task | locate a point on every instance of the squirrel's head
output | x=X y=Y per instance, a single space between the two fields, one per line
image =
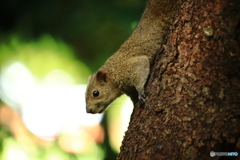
x=100 y=93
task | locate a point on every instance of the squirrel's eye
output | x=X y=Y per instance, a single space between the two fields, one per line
x=95 y=93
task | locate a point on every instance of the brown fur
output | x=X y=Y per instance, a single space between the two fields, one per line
x=127 y=70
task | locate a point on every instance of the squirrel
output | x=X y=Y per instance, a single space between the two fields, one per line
x=127 y=71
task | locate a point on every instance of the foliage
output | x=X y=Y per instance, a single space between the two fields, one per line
x=53 y=54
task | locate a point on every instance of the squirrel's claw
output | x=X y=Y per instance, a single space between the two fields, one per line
x=141 y=98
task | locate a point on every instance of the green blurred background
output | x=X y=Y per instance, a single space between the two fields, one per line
x=47 y=51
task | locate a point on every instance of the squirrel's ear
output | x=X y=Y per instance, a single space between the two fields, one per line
x=89 y=78
x=101 y=76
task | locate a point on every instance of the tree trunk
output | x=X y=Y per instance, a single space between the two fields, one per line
x=193 y=93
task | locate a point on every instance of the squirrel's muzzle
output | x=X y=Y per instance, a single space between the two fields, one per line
x=89 y=110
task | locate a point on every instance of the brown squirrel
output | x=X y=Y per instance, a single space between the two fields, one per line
x=127 y=71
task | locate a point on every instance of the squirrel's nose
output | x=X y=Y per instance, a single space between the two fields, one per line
x=89 y=110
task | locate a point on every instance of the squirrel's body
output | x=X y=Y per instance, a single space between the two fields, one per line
x=126 y=71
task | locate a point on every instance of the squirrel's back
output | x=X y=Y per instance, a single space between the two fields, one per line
x=149 y=34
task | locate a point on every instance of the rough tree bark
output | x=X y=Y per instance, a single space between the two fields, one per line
x=193 y=93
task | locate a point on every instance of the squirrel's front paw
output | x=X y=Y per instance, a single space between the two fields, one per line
x=141 y=98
